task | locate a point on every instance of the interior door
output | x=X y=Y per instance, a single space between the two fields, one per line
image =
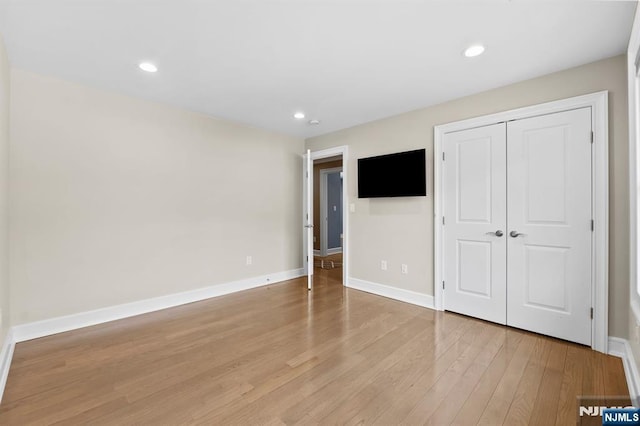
x=549 y=241
x=475 y=222
x=307 y=234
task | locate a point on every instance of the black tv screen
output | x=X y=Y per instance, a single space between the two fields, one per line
x=402 y=174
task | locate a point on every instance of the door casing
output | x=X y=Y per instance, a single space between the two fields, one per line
x=600 y=197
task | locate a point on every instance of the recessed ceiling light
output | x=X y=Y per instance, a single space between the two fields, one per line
x=314 y=122
x=148 y=67
x=298 y=115
x=475 y=50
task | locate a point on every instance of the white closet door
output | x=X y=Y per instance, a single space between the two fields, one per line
x=549 y=218
x=475 y=222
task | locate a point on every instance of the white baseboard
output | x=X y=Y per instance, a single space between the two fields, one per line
x=407 y=296
x=334 y=250
x=316 y=252
x=621 y=348
x=6 y=354
x=51 y=326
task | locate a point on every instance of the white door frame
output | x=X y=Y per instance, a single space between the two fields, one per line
x=324 y=234
x=598 y=102
x=344 y=152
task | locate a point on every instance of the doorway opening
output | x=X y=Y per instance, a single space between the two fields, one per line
x=328 y=233
x=324 y=216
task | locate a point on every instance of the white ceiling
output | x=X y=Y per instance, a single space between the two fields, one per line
x=344 y=62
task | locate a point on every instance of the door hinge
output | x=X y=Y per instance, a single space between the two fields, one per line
x=307 y=258
x=443 y=220
x=443 y=156
x=307 y=175
x=591 y=313
x=443 y=285
x=592 y=137
x=593 y=225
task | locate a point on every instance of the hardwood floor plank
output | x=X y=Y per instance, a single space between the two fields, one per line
x=451 y=404
x=434 y=396
x=571 y=386
x=282 y=355
x=404 y=363
x=322 y=402
x=526 y=393
x=546 y=406
x=473 y=407
x=499 y=403
x=593 y=377
x=438 y=358
x=615 y=383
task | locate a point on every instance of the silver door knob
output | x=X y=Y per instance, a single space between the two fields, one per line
x=498 y=233
x=515 y=234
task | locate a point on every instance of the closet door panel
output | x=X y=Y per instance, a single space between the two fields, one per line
x=475 y=227
x=549 y=222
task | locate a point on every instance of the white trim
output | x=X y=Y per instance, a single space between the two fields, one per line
x=635 y=310
x=600 y=197
x=51 y=326
x=438 y=257
x=6 y=355
x=621 y=348
x=324 y=195
x=316 y=252
x=634 y=138
x=395 y=293
x=344 y=152
x=335 y=250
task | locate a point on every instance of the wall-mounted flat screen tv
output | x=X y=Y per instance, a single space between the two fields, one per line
x=402 y=174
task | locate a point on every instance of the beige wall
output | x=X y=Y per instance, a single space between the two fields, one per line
x=116 y=199
x=316 y=197
x=4 y=191
x=401 y=230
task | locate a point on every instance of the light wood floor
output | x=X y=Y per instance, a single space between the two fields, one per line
x=281 y=355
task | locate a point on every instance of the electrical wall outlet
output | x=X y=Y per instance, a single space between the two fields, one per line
x=383 y=265
x=249 y=260
x=405 y=269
